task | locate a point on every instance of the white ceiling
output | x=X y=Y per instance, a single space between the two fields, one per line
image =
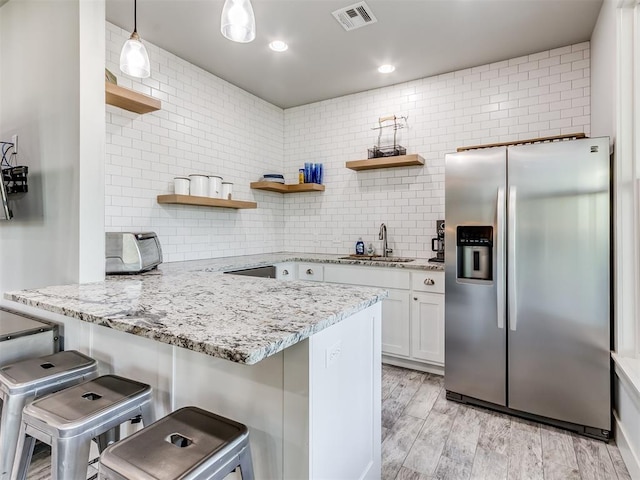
x=420 y=37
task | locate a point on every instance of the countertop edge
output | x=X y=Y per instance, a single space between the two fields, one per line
x=238 y=356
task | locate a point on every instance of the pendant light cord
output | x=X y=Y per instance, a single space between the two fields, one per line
x=135 y=16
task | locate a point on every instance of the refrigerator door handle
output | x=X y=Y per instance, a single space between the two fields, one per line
x=511 y=256
x=500 y=287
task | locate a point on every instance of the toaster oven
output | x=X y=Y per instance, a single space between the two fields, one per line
x=128 y=252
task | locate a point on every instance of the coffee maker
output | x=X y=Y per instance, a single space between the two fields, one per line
x=437 y=244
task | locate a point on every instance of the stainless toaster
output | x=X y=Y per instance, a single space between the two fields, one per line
x=128 y=252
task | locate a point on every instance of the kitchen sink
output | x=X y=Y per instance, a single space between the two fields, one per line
x=370 y=258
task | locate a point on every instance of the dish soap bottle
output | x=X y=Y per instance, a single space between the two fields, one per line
x=360 y=247
x=370 y=249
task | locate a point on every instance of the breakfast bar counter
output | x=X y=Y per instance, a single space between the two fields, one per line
x=297 y=362
x=242 y=319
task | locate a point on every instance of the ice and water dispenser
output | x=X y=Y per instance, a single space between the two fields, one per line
x=475 y=252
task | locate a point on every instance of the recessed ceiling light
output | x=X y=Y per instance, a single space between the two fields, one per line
x=278 y=46
x=386 y=68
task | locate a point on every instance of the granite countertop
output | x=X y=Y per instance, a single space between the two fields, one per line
x=191 y=305
x=248 y=261
x=242 y=319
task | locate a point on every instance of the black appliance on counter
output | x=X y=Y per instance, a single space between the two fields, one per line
x=437 y=244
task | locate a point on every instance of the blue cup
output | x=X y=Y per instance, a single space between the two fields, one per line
x=319 y=173
x=308 y=174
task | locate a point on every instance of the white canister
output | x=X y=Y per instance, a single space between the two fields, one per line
x=199 y=185
x=181 y=185
x=215 y=186
x=227 y=190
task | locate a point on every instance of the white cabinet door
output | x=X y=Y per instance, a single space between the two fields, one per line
x=285 y=271
x=395 y=323
x=427 y=327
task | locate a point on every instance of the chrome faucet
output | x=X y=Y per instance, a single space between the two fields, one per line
x=383 y=236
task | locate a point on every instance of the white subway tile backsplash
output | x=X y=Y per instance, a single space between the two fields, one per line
x=207 y=125
x=447 y=111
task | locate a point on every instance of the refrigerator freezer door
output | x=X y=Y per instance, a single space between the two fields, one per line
x=475 y=333
x=558 y=259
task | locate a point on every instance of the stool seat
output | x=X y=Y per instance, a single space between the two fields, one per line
x=42 y=375
x=69 y=419
x=23 y=381
x=187 y=444
x=86 y=406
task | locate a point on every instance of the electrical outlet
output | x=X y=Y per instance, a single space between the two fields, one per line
x=14 y=140
x=333 y=353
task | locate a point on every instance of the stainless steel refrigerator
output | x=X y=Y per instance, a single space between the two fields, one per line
x=527 y=304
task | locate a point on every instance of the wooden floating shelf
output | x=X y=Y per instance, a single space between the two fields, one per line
x=130 y=100
x=283 y=188
x=204 y=201
x=386 y=162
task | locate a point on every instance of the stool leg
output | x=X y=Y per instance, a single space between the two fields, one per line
x=24 y=452
x=148 y=414
x=246 y=465
x=69 y=458
x=9 y=431
x=107 y=438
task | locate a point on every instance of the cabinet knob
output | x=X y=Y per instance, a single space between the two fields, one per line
x=285 y=272
x=309 y=271
x=429 y=281
x=415 y=298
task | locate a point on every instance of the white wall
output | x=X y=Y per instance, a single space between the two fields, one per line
x=615 y=57
x=206 y=125
x=92 y=141
x=41 y=102
x=603 y=72
x=543 y=94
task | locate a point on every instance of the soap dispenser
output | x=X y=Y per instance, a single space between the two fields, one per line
x=360 y=247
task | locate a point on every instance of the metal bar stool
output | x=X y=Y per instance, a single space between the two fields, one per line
x=24 y=381
x=188 y=444
x=69 y=419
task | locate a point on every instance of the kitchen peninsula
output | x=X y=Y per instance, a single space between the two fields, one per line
x=298 y=362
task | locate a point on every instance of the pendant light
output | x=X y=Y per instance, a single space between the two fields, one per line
x=238 y=22
x=134 y=59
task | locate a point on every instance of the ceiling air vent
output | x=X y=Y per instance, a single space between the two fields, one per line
x=355 y=16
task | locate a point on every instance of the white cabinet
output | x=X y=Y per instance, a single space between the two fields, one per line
x=412 y=315
x=310 y=271
x=427 y=327
x=395 y=308
x=395 y=323
x=286 y=271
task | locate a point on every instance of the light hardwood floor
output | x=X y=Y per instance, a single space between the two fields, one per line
x=426 y=437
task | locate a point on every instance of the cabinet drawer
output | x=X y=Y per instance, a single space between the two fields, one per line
x=432 y=281
x=310 y=271
x=285 y=271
